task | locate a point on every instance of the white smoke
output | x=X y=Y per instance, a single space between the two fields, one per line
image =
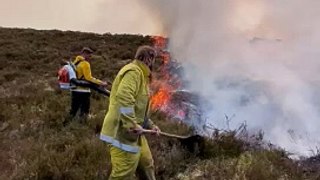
x=256 y=59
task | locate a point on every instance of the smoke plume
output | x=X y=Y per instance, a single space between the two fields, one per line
x=254 y=60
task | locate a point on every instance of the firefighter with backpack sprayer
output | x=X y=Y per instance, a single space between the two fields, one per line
x=80 y=96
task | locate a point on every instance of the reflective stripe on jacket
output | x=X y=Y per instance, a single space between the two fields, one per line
x=127 y=107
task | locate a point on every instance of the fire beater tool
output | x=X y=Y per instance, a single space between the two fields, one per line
x=194 y=143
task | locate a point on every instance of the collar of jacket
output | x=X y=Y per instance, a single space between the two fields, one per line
x=79 y=58
x=145 y=69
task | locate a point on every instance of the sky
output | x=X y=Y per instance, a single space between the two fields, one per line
x=100 y=16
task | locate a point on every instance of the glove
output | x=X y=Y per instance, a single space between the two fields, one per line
x=156 y=129
x=137 y=129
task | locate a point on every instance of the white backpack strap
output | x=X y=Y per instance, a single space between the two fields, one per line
x=72 y=72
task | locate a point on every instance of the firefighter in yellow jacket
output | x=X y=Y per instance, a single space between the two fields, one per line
x=127 y=116
x=80 y=96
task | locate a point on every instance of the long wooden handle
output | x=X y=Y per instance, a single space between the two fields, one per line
x=165 y=134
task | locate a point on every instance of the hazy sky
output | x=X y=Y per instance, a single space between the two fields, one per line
x=116 y=16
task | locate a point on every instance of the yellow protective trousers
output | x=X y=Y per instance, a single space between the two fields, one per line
x=124 y=164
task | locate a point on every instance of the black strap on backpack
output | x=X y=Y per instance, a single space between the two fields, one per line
x=76 y=64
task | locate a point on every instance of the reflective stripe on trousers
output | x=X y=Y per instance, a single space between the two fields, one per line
x=118 y=144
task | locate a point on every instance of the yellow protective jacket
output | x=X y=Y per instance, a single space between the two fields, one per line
x=129 y=100
x=83 y=72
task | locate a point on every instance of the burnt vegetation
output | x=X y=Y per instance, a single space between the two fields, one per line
x=35 y=145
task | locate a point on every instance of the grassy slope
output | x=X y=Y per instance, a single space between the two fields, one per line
x=35 y=145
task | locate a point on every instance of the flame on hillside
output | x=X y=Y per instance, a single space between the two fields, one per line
x=166 y=82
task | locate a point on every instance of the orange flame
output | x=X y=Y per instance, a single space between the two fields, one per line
x=162 y=96
x=159 y=42
x=165 y=83
x=160 y=99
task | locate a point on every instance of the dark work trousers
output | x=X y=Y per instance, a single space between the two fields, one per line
x=80 y=100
